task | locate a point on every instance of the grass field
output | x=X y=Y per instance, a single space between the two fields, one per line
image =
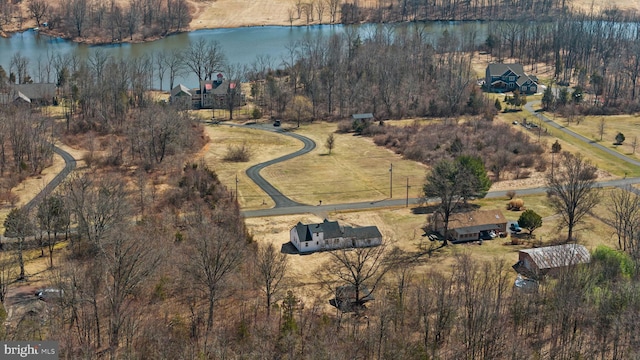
x=401 y=227
x=263 y=146
x=356 y=170
x=548 y=135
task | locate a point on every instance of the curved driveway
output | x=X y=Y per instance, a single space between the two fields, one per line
x=285 y=206
x=69 y=166
x=253 y=172
x=529 y=107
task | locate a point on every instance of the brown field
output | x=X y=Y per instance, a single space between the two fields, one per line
x=401 y=227
x=263 y=146
x=28 y=188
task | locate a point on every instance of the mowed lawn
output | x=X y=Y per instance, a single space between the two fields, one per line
x=589 y=127
x=263 y=146
x=547 y=135
x=356 y=170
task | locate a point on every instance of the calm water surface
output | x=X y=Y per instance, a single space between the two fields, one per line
x=240 y=45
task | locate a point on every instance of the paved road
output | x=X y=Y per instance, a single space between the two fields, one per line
x=282 y=207
x=69 y=166
x=300 y=209
x=253 y=172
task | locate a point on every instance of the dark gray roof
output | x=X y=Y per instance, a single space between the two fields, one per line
x=498 y=69
x=523 y=79
x=13 y=97
x=215 y=87
x=348 y=293
x=37 y=91
x=332 y=230
x=365 y=232
x=23 y=97
x=362 y=116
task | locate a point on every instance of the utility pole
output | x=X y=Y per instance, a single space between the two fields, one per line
x=407 y=205
x=391 y=181
x=236 y=187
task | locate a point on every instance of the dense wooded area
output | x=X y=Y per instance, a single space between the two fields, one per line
x=107 y=21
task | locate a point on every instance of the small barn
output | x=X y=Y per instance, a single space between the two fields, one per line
x=550 y=260
x=329 y=235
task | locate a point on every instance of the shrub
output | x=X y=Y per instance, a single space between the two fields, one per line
x=237 y=153
x=515 y=204
x=541 y=166
x=344 y=127
x=256 y=113
x=511 y=194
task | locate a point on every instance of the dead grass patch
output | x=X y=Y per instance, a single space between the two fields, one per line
x=402 y=228
x=268 y=146
x=356 y=170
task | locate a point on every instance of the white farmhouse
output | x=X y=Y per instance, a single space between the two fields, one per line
x=329 y=235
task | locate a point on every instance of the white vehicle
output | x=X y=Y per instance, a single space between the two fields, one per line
x=49 y=293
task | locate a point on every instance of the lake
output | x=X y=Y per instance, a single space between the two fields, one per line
x=240 y=45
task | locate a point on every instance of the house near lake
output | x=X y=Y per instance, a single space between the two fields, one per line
x=550 y=260
x=329 y=235
x=211 y=94
x=471 y=225
x=509 y=77
x=35 y=93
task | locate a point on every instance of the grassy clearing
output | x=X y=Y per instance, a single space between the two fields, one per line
x=402 y=228
x=263 y=146
x=548 y=135
x=589 y=127
x=28 y=188
x=356 y=170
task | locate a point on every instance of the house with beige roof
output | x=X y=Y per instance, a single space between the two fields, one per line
x=550 y=260
x=471 y=225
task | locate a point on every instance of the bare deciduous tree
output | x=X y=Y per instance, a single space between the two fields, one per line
x=18 y=225
x=361 y=268
x=128 y=260
x=53 y=218
x=625 y=214
x=271 y=266
x=212 y=255
x=330 y=143
x=572 y=191
x=203 y=58
x=38 y=9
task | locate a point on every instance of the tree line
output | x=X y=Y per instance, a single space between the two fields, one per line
x=105 y=21
x=415 y=10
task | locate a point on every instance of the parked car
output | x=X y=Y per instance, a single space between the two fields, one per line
x=49 y=294
x=515 y=227
x=276 y=123
x=487 y=235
